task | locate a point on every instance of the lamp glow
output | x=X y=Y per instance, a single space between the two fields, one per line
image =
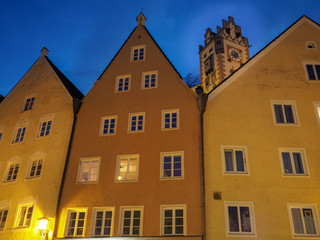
x=43 y=224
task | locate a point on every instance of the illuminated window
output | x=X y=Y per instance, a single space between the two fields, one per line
x=173 y=220
x=19 y=134
x=284 y=112
x=12 y=172
x=89 y=170
x=127 y=168
x=170 y=119
x=123 y=83
x=234 y=160
x=293 y=162
x=317 y=109
x=313 y=71
x=29 y=104
x=44 y=128
x=131 y=221
x=3 y=217
x=136 y=122
x=24 y=216
x=138 y=53
x=150 y=80
x=303 y=220
x=103 y=221
x=240 y=218
x=108 y=125
x=172 y=165
x=35 y=168
x=75 y=223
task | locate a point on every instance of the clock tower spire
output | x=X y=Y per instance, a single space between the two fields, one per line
x=223 y=53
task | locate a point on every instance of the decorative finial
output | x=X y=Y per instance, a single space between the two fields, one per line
x=44 y=52
x=141 y=19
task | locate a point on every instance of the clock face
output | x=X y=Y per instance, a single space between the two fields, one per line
x=235 y=54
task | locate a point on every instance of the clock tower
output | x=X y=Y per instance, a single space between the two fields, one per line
x=223 y=53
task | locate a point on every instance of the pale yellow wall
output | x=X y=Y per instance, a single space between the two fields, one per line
x=149 y=191
x=241 y=115
x=50 y=98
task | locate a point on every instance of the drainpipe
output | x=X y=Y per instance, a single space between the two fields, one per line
x=76 y=107
x=202 y=100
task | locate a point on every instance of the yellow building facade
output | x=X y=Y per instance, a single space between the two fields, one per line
x=261 y=141
x=36 y=120
x=134 y=169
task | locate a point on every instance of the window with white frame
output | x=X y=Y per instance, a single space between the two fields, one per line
x=29 y=104
x=234 y=160
x=123 y=83
x=108 y=125
x=19 y=134
x=240 y=218
x=317 y=109
x=35 y=168
x=313 y=71
x=311 y=45
x=284 y=112
x=303 y=220
x=138 y=53
x=103 y=222
x=12 y=172
x=136 y=122
x=89 y=170
x=75 y=223
x=24 y=215
x=44 y=128
x=127 y=168
x=3 y=217
x=172 y=165
x=131 y=221
x=170 y=119
x=173 y=220
x=293 y=162
x=150 y=80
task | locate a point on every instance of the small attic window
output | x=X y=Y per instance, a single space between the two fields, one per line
x=311 y=45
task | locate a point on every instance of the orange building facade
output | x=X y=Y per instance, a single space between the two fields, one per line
x=134 y=168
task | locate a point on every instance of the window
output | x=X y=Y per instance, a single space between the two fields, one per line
x=293 y=162
x=173 y=220
x=136 y=122
x=35 y=168
x=303 y=220
x=313 y=71
x=317 y=109
x=234 y=160
x=19 y=135
x=1 y=136
x=127 y=168
x=1 y=133
x=24 y=216
x=131 y=221
x=150 y=80
x=75 y=223
x=3 y=217
x=172 y=165
x=170 y=119
x=108 y=125
x=240 y=218
x=311 y=45
x=89 y=170
x=123 y=83
x=29 y=104
x=103 y=222
x=12 y=172
x=284 y=112
x=138 y=53
x=44 y=128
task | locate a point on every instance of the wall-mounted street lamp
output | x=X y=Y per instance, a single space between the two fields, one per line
x=43 y=224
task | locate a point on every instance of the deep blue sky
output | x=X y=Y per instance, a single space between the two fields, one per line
x=84 y=35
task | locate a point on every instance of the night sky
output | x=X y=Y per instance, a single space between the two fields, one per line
x=83 y=36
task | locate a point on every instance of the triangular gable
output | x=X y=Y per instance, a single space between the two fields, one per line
x=235 y=75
